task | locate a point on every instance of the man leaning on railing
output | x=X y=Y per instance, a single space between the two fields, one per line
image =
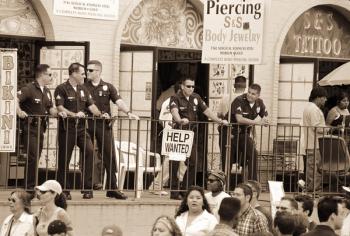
x=74 y=99
x=35 y=103
x=102 y=129
x=185 y=107
x=244 y=111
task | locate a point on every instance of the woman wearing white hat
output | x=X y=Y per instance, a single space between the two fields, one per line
x=54 y=207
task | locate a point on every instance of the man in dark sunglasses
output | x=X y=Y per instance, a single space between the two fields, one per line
x=185 y=108
x=101 y=129
x=34 y=104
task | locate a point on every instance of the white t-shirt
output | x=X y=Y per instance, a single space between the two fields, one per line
x=312 y=117
x=214 y=202
x=23 y=226
x=165 y=115
x=200 y=226
x=345 y=230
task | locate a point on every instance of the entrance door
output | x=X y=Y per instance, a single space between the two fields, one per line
x=136 y=73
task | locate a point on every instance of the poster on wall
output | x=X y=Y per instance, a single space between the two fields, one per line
x=233 y=31
x=8 y=91
x=95 y=9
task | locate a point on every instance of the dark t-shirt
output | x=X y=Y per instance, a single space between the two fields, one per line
x=188 y=108
x=102 y=94
x=33 y=100
x=242 y=106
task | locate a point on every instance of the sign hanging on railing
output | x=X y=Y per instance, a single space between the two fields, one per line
x=276 y=193
x=177 y=144
x=8 y=91
x=95 y=9
x=233 y=31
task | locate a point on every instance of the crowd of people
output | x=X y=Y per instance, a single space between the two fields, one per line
x=214 y=213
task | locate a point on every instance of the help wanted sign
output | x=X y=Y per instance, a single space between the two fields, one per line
x=177 y=144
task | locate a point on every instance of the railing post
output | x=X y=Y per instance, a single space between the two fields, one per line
x=138 y=174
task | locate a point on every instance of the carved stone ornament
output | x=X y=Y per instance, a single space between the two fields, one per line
x=165 y=23
x=17 y=17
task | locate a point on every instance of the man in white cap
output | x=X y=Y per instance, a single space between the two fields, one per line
x=216 y=182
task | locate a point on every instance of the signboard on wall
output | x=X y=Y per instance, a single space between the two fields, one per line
x=318 y=32
x=95 y=9
x=233 y=31
x=8 y=91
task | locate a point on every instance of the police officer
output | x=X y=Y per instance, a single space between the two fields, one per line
x=75 y=100
x=185 y=107
x=34 y=104
x=244 y=110
x=101 y=129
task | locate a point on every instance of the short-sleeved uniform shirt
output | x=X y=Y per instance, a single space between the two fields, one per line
x=71 y=99
x=188 y=108
x=102 y=94
x=33 y=100
x=242 y=106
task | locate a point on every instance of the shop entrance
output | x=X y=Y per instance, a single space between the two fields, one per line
x=173 y=65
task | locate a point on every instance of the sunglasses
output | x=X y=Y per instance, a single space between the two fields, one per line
x=90 y=70
x=189 y=86
x=212 y=180
x=11 y=200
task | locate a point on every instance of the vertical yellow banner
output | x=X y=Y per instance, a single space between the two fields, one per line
x=8 y=91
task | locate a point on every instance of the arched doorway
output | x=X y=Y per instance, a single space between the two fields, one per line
x=316 y=44
x=161 y=43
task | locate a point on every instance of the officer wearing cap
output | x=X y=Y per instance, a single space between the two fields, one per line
x=244 y=111
x=34 y=104
x=185 y=107
x=74 y=99
x=101 y=129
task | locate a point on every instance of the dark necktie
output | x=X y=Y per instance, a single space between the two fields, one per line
x=8 y=233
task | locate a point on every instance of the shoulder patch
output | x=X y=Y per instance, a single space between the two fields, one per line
x=173 y=103
x=195 y=101
x=19 y=92
x=58 y=97
x=239 y=108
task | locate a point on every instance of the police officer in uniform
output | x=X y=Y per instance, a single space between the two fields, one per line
x=244 y=110
x=34 y=104
x=101 y=129
x=185 y=107
x=75 y=100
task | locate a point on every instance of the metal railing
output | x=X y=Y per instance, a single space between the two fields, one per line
x=126 y=154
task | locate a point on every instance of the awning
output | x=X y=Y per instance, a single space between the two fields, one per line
x=339 y=76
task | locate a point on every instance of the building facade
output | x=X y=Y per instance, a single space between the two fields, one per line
x=155 y=42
